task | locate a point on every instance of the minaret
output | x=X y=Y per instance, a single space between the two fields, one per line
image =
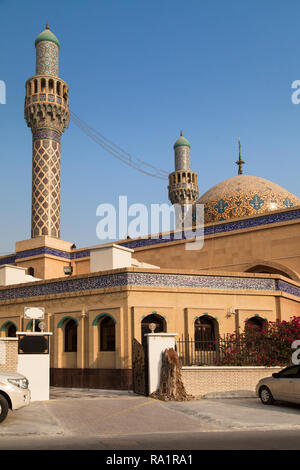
x=183 y=187
x=47 y=114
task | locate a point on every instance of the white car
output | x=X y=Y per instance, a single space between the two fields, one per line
x=14 y=392
x=283 y=386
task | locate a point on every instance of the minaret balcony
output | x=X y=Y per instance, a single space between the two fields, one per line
x=46 y=88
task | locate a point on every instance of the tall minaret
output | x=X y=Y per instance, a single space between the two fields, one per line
x=183 y=187
x=47 y=113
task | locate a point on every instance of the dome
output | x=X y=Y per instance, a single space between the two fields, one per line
x=245 y=196
x=47 y=35
x=182 y=142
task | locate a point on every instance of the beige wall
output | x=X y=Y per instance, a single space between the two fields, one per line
x=199 y=381
x=128 y=305
x=232 y=251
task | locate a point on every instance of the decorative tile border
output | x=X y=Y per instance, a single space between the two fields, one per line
x=221 y=228
x=8 y=260
x=288 y=288
x=45 y=251
x=147 y=280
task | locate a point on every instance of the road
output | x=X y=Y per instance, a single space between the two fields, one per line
x=110 y=421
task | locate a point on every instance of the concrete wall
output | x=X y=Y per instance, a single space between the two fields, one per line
x=104 y=258
x=199 y=381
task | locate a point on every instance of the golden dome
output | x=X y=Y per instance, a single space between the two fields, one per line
x=245 y=196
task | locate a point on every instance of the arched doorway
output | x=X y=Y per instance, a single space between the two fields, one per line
x=161 y=325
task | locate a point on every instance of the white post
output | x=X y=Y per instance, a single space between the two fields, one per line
x=157 y=344
x=36 y=368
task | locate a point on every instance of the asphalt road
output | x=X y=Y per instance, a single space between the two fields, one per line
x=234 y=440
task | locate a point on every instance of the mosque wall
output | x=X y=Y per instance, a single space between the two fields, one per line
x=128 y=305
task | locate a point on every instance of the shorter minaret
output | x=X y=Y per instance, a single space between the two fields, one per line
x=183 y=186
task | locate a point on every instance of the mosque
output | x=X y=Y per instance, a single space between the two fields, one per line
x=99 y=299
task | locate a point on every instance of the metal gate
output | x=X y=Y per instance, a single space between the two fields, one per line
x=139 y=368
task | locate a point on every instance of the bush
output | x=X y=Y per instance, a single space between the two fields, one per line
x=266 y=346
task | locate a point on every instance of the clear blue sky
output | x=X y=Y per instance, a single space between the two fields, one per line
x=139 y=71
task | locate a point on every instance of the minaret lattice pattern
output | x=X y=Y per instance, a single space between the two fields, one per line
x=47 y=114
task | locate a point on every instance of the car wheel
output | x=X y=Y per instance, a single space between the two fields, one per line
x=266 y=396
x=3 y=408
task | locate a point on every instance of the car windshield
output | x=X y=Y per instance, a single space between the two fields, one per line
x=293 y=371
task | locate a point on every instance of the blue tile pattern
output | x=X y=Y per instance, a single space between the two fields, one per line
x=148 y=280
x=8 y=260
x=288 y=288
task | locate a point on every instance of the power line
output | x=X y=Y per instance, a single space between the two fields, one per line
x=118 y=152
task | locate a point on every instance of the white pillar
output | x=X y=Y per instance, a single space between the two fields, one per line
x=36 y=368
x=157 y=344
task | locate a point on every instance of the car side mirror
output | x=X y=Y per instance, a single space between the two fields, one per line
x=275 y=375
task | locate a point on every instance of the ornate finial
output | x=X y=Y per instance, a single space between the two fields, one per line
x=240 y=162
x=47 y=25
x=181 y=133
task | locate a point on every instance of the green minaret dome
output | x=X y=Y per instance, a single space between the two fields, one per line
x=182 y=142
x=47 y=35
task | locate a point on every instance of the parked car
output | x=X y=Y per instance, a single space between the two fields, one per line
x=283 y=386
x=14 y=392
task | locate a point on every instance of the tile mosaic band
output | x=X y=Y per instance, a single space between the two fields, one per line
x=150 y=280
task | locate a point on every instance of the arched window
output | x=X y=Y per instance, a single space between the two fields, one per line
x=58 y=88
x=31 y=271
x=107 y=332
x=43 y=85
x=255 y=322
x=70 y=336
x=11 y=330
x=205 y=333
x=263 y=269
x=51 y=86
x=35 y=86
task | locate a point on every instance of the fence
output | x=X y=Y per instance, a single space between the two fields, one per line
x=227 y=350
